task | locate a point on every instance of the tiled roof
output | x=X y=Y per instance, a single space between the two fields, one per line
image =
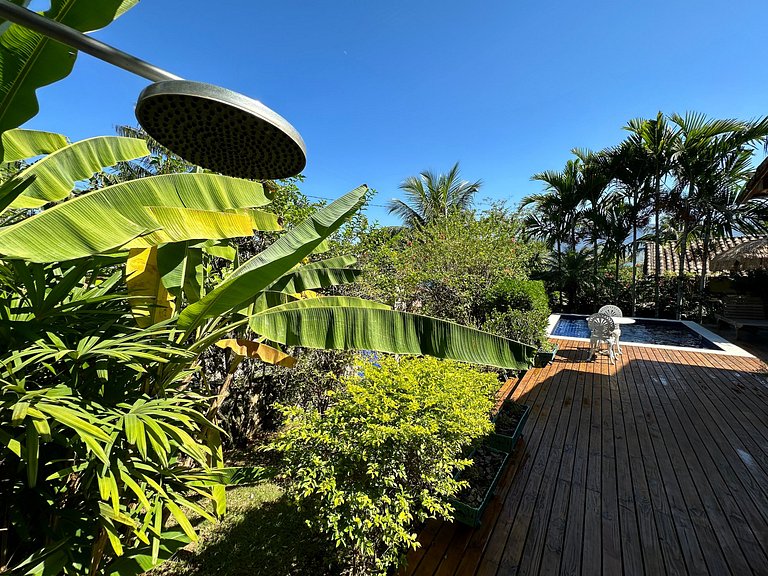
x=694 y=256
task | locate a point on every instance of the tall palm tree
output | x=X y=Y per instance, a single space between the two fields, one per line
x=595 y=175
x=563 y=186
x=633 y=171
x=431 y=197
x=658 y=139
x=555 y=213
x=709 y=159
x=618 y=217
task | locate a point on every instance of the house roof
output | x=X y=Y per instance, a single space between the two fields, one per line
x=694 y=254
x=758 y=184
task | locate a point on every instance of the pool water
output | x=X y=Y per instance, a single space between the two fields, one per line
x=663 y=333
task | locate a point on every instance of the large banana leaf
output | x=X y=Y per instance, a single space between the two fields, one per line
x=106 y=219
x=29 y=60
x=323 y=274
x=57 y=173
x=21 y=144
x=265 y=221
x=264 y=268
x=346 y=326
x=176 y=224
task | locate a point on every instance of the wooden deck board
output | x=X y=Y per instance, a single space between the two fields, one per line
x=657 y=465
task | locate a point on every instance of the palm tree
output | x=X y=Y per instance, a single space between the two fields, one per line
x=633 y=171
x=595 y=174
x=431 y=197
x=555 y=214
x=618 y=218
x=658 y=139
x=563 y=187
x=710 y=158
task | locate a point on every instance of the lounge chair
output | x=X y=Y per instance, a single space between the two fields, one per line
x=743 y=311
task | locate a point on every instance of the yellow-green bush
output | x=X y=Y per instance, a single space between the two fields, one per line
x=383 y=455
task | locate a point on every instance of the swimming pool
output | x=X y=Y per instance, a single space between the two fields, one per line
x=643 y=331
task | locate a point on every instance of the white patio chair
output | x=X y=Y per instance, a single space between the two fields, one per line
x=602 y=328
x=614 y=312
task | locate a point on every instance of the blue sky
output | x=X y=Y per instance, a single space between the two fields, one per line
x=380 y=91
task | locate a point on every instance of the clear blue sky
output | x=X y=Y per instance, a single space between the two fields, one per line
x=382 y=90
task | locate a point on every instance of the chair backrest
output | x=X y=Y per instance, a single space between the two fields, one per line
x=601 y=326
x=611 y=310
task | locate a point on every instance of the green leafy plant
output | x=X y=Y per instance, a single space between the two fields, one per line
x=517 y=309
x=383 y=455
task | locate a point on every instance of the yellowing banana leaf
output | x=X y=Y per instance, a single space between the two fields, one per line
x=177 y=224
x=29 y=60
x=265 y=221
x=251 y=349
x=105 y=219
x=353 y=327
x=263 y=269
x=57 y=173
x=21 y=144
x=150 y=301
x=181 y=267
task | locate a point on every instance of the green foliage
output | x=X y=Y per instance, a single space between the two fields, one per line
x=382 y=456
x=517 y=309
x=97 y=448
x=29 y=60
x=446 y=268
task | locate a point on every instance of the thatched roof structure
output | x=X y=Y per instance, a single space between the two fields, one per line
x=758 y=184
x=694 y=255
x=750 y=255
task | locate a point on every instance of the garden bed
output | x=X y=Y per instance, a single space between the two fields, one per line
x=509 y=423
x=544 y=357
x=482 y=475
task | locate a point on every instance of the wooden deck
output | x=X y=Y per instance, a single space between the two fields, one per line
x=658 y=465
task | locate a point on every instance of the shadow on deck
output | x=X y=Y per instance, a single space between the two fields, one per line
x=657 y=465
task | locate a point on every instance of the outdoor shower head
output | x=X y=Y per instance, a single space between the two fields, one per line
x=220 y=130
x=212 y=127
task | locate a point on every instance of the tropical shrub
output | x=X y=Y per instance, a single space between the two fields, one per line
x=446 y=268
x=517 y=309
x=383 y=455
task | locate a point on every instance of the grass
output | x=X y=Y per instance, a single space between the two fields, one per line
x=262 y=534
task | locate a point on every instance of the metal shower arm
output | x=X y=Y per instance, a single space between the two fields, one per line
x=80 y=41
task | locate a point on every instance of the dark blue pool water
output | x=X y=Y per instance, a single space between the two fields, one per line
x=663 y=333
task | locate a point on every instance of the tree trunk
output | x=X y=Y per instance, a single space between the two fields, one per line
x=634 y=254
x=704 y=265
x=681 y=272
x=618 y=282
x=560 y=272
x=657 y=234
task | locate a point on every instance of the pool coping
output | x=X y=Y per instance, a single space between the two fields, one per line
x=726 y=348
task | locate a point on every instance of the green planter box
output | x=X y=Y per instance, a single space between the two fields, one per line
x=543 y=358
x=506 y=443
x=470 y=515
